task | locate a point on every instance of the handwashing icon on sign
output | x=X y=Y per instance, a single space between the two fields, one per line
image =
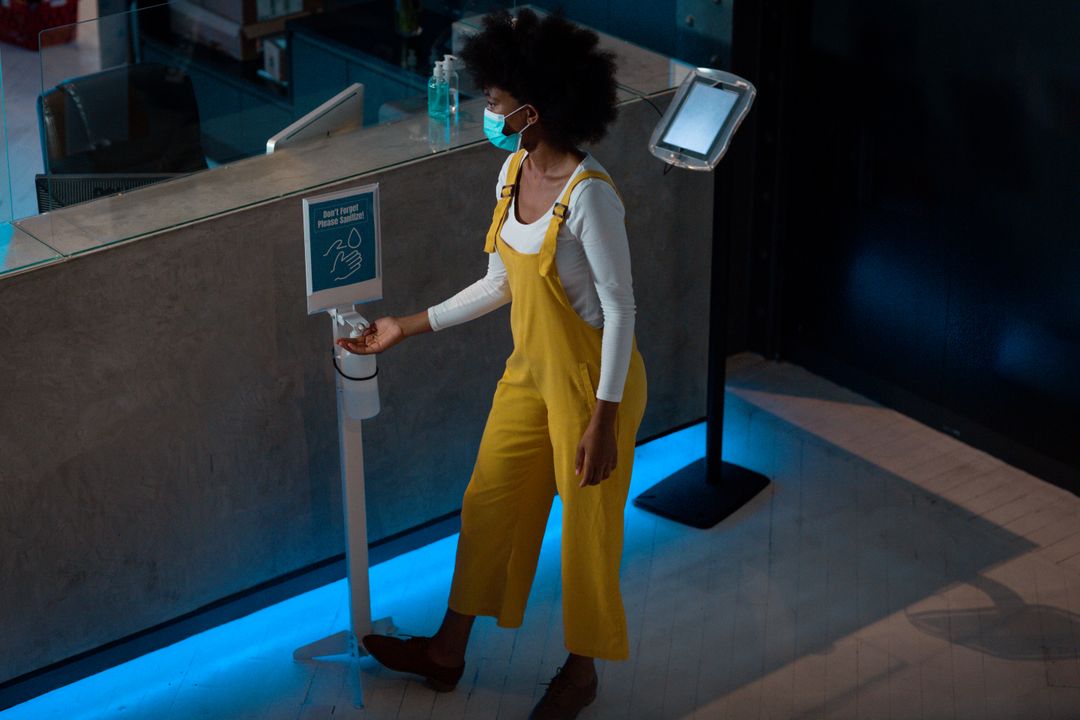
x=348 y=254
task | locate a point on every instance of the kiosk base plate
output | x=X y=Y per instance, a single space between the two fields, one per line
x=691 y=498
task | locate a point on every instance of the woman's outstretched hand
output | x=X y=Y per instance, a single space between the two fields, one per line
x=379 y=336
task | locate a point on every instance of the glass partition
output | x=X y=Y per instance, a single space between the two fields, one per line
x=6 y=210
x=165 y=115
x=18 y=250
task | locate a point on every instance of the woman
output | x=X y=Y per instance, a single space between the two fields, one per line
x=567 y=408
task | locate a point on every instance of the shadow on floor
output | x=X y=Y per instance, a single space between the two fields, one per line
x=834 y=545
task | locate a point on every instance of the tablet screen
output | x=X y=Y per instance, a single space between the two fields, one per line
x=700 y=119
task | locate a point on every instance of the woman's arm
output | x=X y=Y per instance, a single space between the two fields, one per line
x=598 y=222
x=385 y=333
x=601 y=229
x=485 y=295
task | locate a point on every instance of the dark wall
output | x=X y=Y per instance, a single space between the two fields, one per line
x=650 y=23
x=697 y=31
x=930 y=244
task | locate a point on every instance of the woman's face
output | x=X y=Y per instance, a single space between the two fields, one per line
x=501 y=102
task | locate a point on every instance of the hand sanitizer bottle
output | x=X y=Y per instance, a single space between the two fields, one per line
x=453 y=85
x=358 y=385
x=437 y=92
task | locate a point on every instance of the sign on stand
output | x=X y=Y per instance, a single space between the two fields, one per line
x=342 y=248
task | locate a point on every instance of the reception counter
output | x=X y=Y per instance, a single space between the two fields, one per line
x=168 y=424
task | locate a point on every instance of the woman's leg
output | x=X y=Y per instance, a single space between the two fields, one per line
x=503 y=516
x=504 y=511
x=447 y=647
x=580 y=669
x=594 y=619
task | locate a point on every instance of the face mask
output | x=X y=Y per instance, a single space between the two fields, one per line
x=494 y=124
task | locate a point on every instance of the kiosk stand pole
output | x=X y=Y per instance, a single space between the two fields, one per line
x=708 y=490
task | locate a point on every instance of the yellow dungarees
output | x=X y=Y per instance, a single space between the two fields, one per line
x=542 y=405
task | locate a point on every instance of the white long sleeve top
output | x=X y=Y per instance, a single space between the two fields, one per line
x=592 y=256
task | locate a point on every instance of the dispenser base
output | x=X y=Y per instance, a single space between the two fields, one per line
x=343 y=647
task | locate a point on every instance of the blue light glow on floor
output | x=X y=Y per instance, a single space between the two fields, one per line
x=243 y=668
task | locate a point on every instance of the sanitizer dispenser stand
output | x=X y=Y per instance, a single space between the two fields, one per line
x=342 y=253
x=357 y=400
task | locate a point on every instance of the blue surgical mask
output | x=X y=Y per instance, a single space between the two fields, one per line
x=495 y=124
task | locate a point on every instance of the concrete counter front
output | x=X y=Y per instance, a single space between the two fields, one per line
x=168 y=423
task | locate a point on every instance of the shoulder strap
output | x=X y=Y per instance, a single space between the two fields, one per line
x=503 y=204
x=559 y=215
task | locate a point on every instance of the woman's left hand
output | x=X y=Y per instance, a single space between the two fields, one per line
x=598 y=453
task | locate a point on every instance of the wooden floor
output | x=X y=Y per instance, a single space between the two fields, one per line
x=888 y=571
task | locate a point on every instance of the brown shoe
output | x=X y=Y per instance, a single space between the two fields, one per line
x=563 y=700
x=410 y=655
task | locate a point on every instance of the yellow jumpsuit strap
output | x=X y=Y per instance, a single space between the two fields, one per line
x=559 y=214
x=505 y=195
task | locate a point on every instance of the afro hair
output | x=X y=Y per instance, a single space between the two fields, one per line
x=551 y=64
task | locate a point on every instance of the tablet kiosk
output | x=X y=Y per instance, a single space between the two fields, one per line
x=698 y=125
x=694 y=133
